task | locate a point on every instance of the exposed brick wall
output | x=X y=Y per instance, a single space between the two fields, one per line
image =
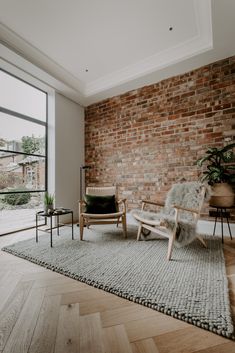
x=147 y=139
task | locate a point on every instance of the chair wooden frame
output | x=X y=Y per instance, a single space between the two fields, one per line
x=87 y=219
x=158 y=226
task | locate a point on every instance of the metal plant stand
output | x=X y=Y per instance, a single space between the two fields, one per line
x=222 y=213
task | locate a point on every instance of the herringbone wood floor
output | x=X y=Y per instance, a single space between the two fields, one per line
x=44 y=312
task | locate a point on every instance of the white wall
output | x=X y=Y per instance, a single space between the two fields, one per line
x=69 y=151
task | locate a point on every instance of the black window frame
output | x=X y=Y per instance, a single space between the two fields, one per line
x=45 y=156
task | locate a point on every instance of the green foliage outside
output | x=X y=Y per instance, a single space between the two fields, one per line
x=17 y=199
x=30 y=144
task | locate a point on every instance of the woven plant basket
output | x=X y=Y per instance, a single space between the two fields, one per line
x=222 y=195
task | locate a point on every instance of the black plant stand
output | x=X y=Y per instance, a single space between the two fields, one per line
x=56 y=214
x=222 y=213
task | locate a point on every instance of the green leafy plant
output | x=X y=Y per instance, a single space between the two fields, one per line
x=218 y=170
x=30 y=144
x=48 y=199
x=17 y=198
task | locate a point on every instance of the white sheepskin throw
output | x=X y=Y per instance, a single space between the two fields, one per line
x=187 y=195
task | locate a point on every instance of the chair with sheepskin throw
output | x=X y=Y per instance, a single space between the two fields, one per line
x=101 y=206
x=178 y=219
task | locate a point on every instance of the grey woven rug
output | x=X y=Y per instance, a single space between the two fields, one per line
x=192 y=287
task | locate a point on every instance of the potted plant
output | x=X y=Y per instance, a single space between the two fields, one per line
x=48 y=202
x=219 y=175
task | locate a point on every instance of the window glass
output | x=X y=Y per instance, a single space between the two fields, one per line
x=23 y=134
x=20 y=135
x=20 y=97
x=18 y=211
x=21 y=173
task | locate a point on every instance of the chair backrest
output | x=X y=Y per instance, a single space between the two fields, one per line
x=189 y=195
x=101 y=191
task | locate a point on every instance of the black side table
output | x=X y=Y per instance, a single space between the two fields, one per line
x=57 y=214
x=222 y=212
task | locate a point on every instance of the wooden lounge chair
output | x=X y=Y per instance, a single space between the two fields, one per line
x=87 y=219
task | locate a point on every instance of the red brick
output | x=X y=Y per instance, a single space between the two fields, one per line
x=146 y=139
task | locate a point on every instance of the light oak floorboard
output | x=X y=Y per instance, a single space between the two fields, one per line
x=189 y=339
x=126 y=314
x=152 y=326
x=116 y=340
x=20 y=338
x=84 y=294
x=7 y=286
x=42 y=276
x=221 y=348
x=12 y=309
x=91 y=334
x=50 y=282
x=61 y=288
x=102 y=304
x=45 y=332
x=67 y=339
x=144 y=346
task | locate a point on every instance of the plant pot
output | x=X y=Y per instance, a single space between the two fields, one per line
x=48 y=208
x=222 y=195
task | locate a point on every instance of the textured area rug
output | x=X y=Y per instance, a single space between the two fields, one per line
x=192 y=287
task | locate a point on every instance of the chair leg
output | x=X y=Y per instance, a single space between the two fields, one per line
x=139 y=231
x=81 y=226
x=170 y=247
x=124 y=226
x=200 y=238
x=118 y=221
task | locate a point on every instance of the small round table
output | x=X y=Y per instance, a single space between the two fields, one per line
x=222 y=212
x=57 y=214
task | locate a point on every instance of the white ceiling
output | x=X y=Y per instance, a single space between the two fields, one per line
x=123 y=44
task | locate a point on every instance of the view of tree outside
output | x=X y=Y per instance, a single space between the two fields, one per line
x=22 y=151
x=30 y=144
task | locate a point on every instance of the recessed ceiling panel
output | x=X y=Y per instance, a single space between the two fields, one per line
x=106 y=42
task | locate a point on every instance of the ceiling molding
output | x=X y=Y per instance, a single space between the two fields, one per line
x=156 y=62
x=27 y=51
x=19 y=66
x=196 y=45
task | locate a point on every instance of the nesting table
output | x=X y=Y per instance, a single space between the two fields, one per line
x=49 y=216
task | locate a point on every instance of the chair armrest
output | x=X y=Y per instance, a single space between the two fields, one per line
x=122 y=201
x=185 y=209
x=155 y=203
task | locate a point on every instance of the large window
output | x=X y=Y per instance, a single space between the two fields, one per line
x=23 y=152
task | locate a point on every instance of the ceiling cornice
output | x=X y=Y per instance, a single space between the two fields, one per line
x=82 y=92
x=23 y=49
x=196 y=45
x=156 y=62
x=19 y=66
